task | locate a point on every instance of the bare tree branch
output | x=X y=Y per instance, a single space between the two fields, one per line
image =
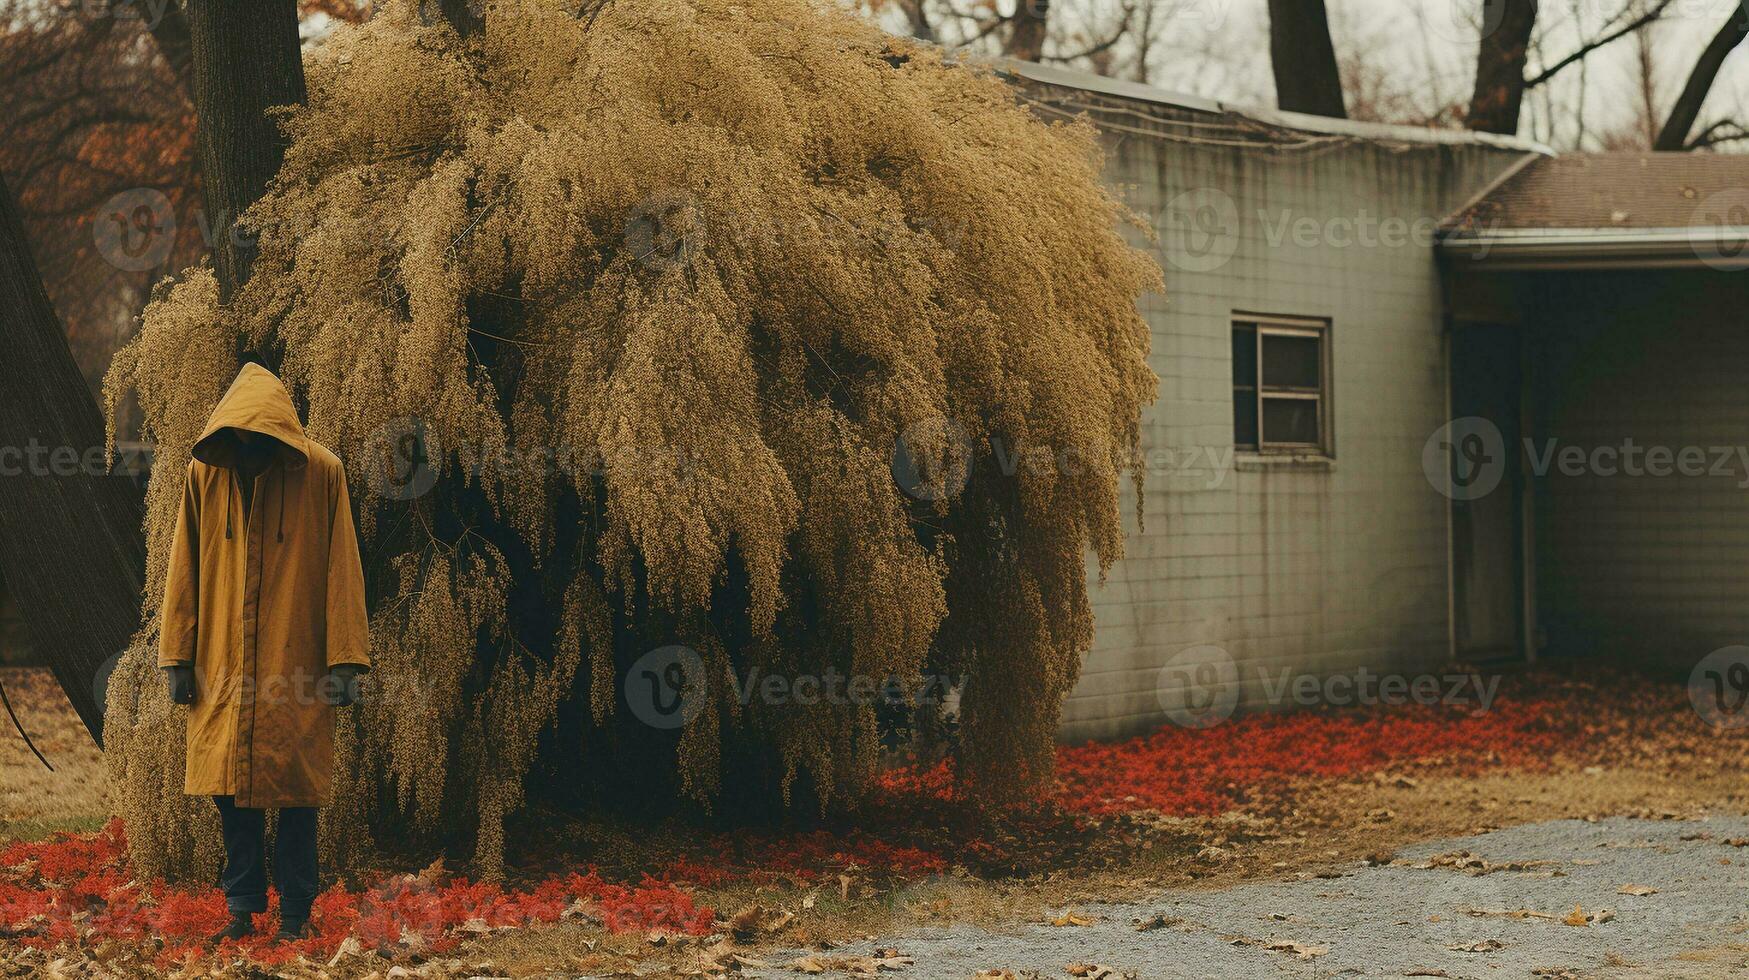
x=1674 y=135
x=1608 y=37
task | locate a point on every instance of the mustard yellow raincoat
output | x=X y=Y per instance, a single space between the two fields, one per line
x=263 y=604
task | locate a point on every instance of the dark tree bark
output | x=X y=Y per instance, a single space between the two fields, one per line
x=1306 y=77
x=1027 y=40
x=246 y=61
x=70 y=543
x=1674 y=135
x=1500 y=83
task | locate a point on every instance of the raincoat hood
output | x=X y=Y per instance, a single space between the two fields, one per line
x=256 y=402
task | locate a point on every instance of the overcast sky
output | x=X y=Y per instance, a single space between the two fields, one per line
x=1422 y=52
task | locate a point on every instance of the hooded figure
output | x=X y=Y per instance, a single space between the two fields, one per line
x=265 y=598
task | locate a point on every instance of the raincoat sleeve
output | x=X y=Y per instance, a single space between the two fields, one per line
x=180 y=616
x=348 y=625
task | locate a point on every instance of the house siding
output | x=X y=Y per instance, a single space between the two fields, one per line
x=1320 y=568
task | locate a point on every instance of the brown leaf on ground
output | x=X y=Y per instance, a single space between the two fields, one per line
x=1072 y=918
x=756 y=921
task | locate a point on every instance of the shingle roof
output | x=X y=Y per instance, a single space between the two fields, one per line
x=1616 y=191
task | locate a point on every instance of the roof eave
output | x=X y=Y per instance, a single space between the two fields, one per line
x=1119 y=88
x=1600 y=248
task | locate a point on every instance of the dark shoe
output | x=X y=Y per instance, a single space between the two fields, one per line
x=292 y=929
x=242 y=924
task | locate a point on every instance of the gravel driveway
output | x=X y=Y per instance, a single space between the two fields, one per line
x=1400 y=920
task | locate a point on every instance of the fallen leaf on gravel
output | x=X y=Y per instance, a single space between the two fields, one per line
x=1427 y=973
x=1737 y=841
x=1577 y=917
x=1097 y=971
x=1485 y=946
x=808 y=964
x=1636 y=890
x=1300 y=950
x=756 y=920
x=1156 y=922
x=994 y=975
x=1071 y=918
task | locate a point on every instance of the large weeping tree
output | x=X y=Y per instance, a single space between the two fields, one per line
x=736 y=329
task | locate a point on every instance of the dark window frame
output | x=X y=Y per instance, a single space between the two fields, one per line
x=1261 y=326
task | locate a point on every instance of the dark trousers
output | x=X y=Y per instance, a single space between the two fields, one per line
x=294 y=858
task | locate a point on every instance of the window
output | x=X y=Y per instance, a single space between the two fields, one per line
x=1281 y=384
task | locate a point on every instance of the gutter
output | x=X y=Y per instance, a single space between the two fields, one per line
x=1713 y=247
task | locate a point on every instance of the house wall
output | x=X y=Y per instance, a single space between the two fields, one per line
x=1644 y=567
x=1252 y=566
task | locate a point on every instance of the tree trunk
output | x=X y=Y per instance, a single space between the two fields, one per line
x=246 y=61
x=1500 y=60
x=70 y=543
x=1306 y=77
x=1027 y=40
x=1674 y=135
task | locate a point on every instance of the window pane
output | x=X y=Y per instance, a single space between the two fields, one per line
x=1292 y=420
x=1244 y=354
x=1291 y=362
x=1245 y=418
